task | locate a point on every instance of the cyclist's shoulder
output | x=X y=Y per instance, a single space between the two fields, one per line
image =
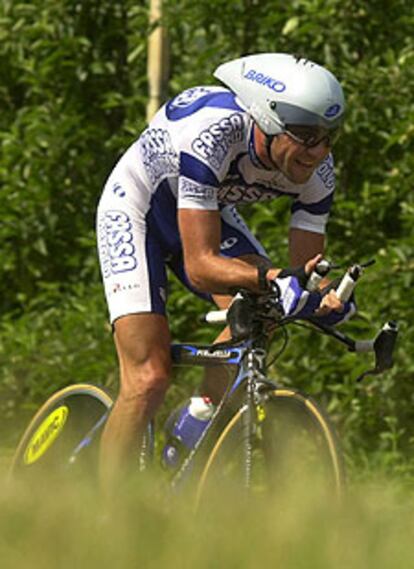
x=208 y=126
x=200 y=117
x=202 y=103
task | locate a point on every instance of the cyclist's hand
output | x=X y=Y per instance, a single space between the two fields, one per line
x=330 y=302
x=294 y=299
x=331 y=310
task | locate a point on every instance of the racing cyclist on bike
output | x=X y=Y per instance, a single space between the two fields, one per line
x=170 y=201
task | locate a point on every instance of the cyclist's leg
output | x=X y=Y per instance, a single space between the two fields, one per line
x=143 y=347
x=134 y=275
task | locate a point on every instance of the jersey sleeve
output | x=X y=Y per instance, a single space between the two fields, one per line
x=205 y=156
x=310 y=210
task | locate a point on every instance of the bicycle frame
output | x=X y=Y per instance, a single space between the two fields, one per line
x=187 y=355
x=249 y=390
x=250 y=358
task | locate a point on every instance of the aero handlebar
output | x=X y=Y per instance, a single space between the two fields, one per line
x=382 y=344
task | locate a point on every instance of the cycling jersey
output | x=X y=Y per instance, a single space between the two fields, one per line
x=197 y=152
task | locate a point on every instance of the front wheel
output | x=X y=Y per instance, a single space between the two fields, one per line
x=64 y=434
x=294 y=445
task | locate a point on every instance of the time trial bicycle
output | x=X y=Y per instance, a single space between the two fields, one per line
x=259 y=435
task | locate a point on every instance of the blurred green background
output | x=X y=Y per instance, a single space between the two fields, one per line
x=73 y=94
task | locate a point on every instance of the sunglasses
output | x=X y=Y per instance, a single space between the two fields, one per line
x=311 y=136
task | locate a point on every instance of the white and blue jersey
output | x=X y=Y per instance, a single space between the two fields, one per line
x=198 y=153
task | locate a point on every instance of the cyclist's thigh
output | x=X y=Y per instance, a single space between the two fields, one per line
x=143 y=346
x=131 y=256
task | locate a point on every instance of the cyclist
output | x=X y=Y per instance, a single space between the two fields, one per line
x=170 y=201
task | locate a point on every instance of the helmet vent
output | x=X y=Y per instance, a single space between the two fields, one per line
x=303 y=60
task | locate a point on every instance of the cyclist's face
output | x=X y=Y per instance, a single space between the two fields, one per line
x=296 y=161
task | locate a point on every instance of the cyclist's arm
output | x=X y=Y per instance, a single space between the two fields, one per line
x=303 y=245
x=208 y=271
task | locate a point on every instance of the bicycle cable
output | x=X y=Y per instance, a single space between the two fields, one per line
x=308 y=327
x=282 y=349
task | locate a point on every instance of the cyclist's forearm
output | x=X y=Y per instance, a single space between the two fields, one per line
x=220 y=275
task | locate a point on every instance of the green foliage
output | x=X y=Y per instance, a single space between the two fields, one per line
x=68 y=99
x=61 y=339
x=73 y=93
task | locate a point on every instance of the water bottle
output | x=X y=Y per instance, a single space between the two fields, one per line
x=187 y=429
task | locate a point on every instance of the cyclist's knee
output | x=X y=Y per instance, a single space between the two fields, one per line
x=148 y=381
x=143 y=346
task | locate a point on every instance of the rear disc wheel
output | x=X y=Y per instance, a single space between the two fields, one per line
x=64 y=434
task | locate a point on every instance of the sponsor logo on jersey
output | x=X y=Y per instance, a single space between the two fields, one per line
x=265 y=80
x=158 y=154
x=213 y=143
x=118 y=190
x=326 y=174
x=187 y=98
x=332 y=111
x=244 y=194
x=117 y=287
x=196 y=192
x=115 y=242
x=228 y=243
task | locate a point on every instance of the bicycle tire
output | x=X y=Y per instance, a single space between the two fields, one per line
x=280 y=404
x=71 y=415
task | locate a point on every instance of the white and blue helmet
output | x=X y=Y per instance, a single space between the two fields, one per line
x=279 y=90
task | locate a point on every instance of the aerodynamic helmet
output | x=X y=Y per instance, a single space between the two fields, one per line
x=280 y=91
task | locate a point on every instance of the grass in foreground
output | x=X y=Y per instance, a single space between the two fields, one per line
x=48 y=526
